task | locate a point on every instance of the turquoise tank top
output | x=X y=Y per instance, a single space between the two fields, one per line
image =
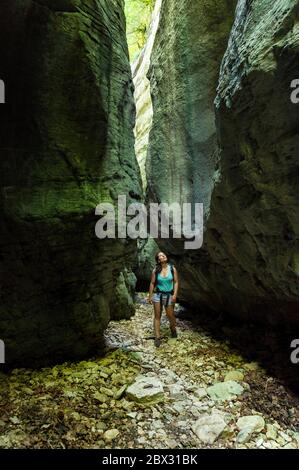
x=165 y=284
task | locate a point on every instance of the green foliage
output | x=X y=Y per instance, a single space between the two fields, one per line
x=138 y=15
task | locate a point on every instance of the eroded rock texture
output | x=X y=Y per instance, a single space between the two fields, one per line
x=144 y=115
x=255 y=208
x=66 y=144
x=190 y=43
x=142 y=94
x=182 y=153
x=248 y=265
x=146 y=262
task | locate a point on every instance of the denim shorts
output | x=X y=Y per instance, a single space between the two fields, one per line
x=156 y=298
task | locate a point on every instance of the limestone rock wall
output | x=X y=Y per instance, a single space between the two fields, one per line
x=142 y=94
x=237 y=156
x=255 y=208
x=185 y=62
x=144 y=115
x=146 y=262
x=66 y=144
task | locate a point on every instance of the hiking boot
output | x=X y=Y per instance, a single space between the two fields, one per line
x=157 y=342
x=174 y=334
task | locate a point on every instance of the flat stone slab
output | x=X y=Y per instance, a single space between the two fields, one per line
x=225 y=390
x=146 y=390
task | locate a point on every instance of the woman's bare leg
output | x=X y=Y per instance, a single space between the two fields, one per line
x=157 y=319
x=171 y=317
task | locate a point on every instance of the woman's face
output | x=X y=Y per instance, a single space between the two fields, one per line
x=162 y=257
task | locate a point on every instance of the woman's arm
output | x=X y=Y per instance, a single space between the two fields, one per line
x=176 y=284
x=151 y=287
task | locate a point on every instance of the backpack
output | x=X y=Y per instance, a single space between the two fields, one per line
x=172 y=273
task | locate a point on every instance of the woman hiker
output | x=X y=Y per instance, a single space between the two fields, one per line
x=165 y=279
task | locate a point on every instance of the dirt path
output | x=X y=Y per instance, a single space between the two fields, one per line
x=191 y=392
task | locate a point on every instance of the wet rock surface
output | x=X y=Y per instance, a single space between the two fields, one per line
x=86 y=404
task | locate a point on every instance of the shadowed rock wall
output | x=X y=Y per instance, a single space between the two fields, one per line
x=66 y=144
x=244 y=168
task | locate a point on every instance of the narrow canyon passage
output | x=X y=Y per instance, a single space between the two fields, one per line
x=193 y=392
x=158 y=101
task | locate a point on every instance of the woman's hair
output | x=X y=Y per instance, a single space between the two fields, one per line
x=158 y=264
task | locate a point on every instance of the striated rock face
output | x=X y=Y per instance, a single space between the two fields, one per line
x=182 y=153
x=255 y=204
x=142 y=95
x=189 y=46
x=248 y=265
x=66 y=144
x=146 y=262
x=144 y=114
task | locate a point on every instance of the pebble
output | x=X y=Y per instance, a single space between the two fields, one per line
x=259 y=442
x=271 y=432
x=234 y=375
x=200 y=392
x=110 y=434
x=285 y=436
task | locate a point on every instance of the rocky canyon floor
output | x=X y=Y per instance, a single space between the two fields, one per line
x=192 y=392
